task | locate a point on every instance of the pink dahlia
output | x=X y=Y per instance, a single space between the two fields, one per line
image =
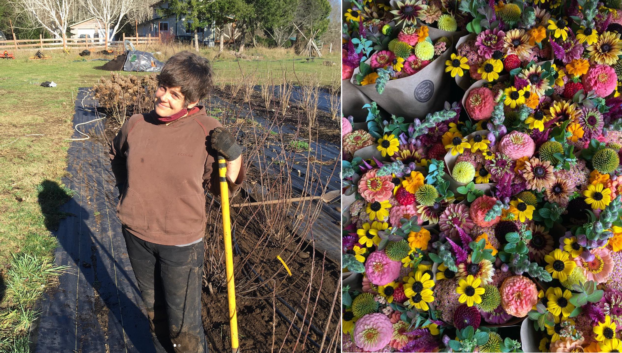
x=346 y=127
x=467 y=316
x=381 y=59
x=517 y=145
x=480 y=103
x=399 y=212
x=346 y=71
x=600 y=268
x=489 y=41
x=373 y=331
x=408 y=38
x=601 y=79
x=518 y=295
x=479 y=209
x=455 y=215
x=380 y=269
x=412 y=65
x=375 y=188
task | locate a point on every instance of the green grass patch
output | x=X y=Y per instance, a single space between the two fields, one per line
x=299 y=145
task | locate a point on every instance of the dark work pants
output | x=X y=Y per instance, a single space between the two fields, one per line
x=169 y=278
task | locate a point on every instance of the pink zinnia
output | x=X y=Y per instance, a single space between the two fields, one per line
x=480 y=103
x=381 y=59
x=489 y=41
x=410 y=39
x=455 y=215
x=479 y=208
x=380 y=269
x=346 y=71
x=518 y=295
x=375 y=188
x=399 y=212
x=373 y=332
x=601 y=79
x=600 y=268
x=517 y=145
x=346 y=127
x=412 y=65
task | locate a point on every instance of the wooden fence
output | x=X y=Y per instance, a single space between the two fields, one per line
x=72 y=43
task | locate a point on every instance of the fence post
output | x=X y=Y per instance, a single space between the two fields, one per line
x=136 y=23
x=148 y=38
x=40 y=41
x=159 y=35
x=14 y=39
x=123 y=38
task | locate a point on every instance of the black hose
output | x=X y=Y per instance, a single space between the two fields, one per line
x=263 y=283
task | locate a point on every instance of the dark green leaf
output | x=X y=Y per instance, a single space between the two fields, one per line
x=481 y=338
x=575 y=312
x=512 y=237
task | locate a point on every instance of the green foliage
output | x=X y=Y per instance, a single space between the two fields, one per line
x=597 y=228
x=548 y=214
x=589 y=152
x=510 y=345
x=586 y=292
x=384 y=76
x=436 y=171
x=542 y=317
x=495 y=211
x=515 y=254
x=346 y=299
x=352 y=264
x=444 y=255
x=299 y=145
x=479 y=253
x=469 y=339
x=470 y=191
x=390 y=168
x=374 y=121
x=430 y=122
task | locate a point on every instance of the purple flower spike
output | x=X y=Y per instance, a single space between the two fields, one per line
x=378 y=163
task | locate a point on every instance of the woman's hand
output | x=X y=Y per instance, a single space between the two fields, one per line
x=224 y=143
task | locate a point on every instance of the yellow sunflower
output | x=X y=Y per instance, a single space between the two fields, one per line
x=562 y=110
x=479 y=143
x=606 y=50
x=457 y=145
x=597 y=196
x=490 y=69
x=398 y=64
x=388 y=145
x=558 y=28
x=420 y=300
x=555 y=330
x=353 y=15
x=521 y=210
x=572 y=246
x=610 y=346
x=359 y=253
x=514 y=97
x=387 y=291
x=470 y=291
x=606 y=331
x=421 y=281
x=348 y=321
x=587 y=35
x=368 y=235
x=442 y=272
x=457 y=65
x=559 y=302
x=537 y=120
x=482 y=176
x=559 y=265
x=378 y=210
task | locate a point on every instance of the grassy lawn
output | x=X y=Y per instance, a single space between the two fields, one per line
x=34 y=124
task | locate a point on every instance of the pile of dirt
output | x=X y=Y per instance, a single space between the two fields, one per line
x=115 y=64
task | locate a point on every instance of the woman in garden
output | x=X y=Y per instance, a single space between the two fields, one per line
x=164 y=162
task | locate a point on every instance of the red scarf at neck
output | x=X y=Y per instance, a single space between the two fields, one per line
x=181 y=113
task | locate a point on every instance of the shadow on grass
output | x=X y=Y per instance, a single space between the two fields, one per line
x=2 y=287
x=99 y=317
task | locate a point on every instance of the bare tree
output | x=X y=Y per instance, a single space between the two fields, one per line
x=109 y=13
x=52 y=15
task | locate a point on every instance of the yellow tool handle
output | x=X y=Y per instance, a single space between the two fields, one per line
x=226 y=227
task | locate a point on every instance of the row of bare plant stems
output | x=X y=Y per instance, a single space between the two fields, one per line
x=286 y=225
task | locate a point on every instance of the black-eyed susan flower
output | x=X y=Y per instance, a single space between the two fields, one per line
x=420 y=300
x=353 y=15
x=545 y=345
x=348 y=321
x=359 y=253
x=597 y=196
x=606 y=331
x=368 y=235
x=482 y=176
x=457 y=145
x=443 y=272
x=387 y=291
x=537 y=120
x=521 y=210
x=559 y=302
x=559 y=28
x=573 y=247
x=398 y=64
x=587 y=35
x=388 y=145
x=479 y=143
x=559 y=265
x=456 y=65
x=417 y=283
x=490 y=69
x=610 y=346
x=470 y=291
x=514 y=97
x=556 y=330
x=378 y=210
x=606 y=50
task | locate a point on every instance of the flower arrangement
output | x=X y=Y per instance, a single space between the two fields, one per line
x=502 y=209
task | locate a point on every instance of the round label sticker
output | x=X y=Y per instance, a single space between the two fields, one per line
x=424 y=91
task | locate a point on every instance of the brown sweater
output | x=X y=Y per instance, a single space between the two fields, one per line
x=166 y=168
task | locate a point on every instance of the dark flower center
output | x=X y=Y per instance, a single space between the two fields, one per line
x=608 y=333
x=417 y=298
x=539 y=171
x=386 y=144
x=514 y=95
x=488 y=68
x=396 y=181
x=478 y=138
x=417 y=287
x=538 y=115
x=587 y=31
x=430 y=273
x=355 y=13
x=605 y=48
x=473 y=269
x=369 y=235
x=561 y=24
x=456 y=141
x=534 y=78
x=394 y=61
x=597 y=196
x=558 y=265
x=516 y=42
x=483 y=172
x=449 y=274
x=527 y=94
x=469 y=291
x=497 y=55
x=522 y=206
x=545 y=301
x=591 y=120
x=562 y=302
x=557 y=189
x=558 y=328
x=576 y=246
x=388 y=291
x=455 y=63
x=375 y=206
x=537 y=241
x=348 y=316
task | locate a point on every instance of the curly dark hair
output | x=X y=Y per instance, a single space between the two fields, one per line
x=191 y=72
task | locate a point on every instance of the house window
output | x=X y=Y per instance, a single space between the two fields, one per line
x=163 y=26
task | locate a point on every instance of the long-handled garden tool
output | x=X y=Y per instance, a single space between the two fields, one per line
x=226 y=227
